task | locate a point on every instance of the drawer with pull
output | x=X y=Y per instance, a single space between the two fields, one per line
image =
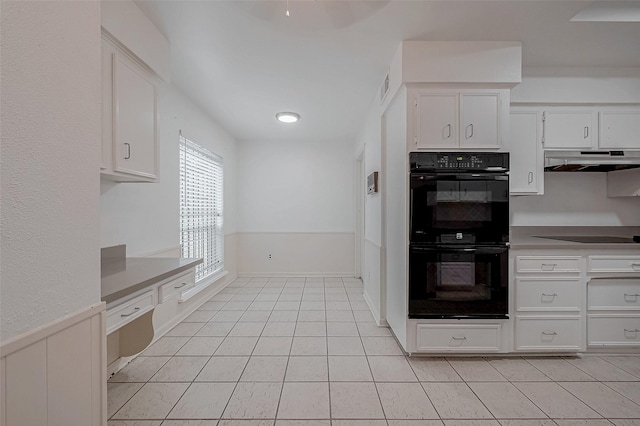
x=613 y=330
x=613 y=264
x=550 y=264
x=176 y=286
x=549 y=333
x=130 y=310
x=547 y=294
x=458 y=338
x=613 y=294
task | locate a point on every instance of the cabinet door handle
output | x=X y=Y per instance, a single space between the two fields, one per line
x=470 y=135
x=632 y=331
x=548 y=266
x=459 y=338
x=130 y=313
x=544 y=333
x=180 y=286
x=635 y=266
x=550 y=295
x=631 y=295
x=530 y=177
x=586 y=132
x=128 y=151
x=448 y=129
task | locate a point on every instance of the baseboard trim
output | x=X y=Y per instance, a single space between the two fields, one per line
x=32 y=336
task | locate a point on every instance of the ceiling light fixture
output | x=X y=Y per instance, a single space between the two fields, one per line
x=288 y=117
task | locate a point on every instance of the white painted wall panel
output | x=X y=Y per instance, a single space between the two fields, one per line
x=69 y=362
x=145 y=216
x=295 y=186
x=574 y=199
x=578 y=85
x=51 y=133
x=26 y=386
x=125 y=21
x=296 y=254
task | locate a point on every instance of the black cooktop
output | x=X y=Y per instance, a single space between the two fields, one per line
x=593 y=239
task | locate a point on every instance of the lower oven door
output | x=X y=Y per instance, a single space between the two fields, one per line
x=458 y=282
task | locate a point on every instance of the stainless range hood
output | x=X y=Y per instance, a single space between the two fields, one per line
x=590 y=161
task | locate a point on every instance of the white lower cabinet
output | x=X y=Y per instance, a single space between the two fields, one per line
x=613 y=307
x=549 y=301
x=546 y=333
x=458 y=338
x=614 y=330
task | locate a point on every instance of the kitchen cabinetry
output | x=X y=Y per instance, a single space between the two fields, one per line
x=619 y=129
x=569 y=129
x=129 y=151
x=548 y=304
x=613 y=301
x=454 y=119
x=526 y=172
x=591 y=128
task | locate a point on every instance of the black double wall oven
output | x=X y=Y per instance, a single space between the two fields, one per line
x=459 y=235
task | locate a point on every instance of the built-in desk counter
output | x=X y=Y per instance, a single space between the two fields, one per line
x=142 y=297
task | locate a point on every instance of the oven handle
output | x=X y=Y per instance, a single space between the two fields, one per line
x=459 y=177
x=455 y=249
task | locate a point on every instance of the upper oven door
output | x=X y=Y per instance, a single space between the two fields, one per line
x=459 y=208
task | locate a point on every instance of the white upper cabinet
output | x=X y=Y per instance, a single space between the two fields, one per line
x=619 y=129
x=134 y=138
x=527 y=169
x=457 y=119
x=591 y=128
x=569 y=129
x=129 y=151
x=437 y=120
x=479 y=120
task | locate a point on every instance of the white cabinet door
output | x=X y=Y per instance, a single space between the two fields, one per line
x=479 y=127
x=134 y=97
x=527 y=169
x=436 y=121
x=620 y=129
x=569 y=129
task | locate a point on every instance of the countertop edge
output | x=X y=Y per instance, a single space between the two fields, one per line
x=150 y=281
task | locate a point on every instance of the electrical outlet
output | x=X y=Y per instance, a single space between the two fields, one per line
x=269 y=256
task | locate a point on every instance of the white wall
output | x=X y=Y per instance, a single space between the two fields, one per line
x=574 y=199
x=369 y=142
x=51 y=120
x=144 y=216
x=289 y=188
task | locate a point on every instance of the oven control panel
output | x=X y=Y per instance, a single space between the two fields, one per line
x=498 y=161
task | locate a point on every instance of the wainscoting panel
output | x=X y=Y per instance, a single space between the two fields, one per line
x=56 y=374
x=296 y=254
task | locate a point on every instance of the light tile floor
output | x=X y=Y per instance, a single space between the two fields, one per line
x=306 y=352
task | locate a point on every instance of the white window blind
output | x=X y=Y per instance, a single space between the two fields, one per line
x=201 y=231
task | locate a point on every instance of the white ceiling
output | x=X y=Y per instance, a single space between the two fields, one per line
x=244 y=61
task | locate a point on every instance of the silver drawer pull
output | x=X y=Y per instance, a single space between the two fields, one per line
x=635 y=266
x=544 y=333
x=631 y=331
x=631 y=295
x=548 y=266
x=180 y=286
x=459 y=338
x=549 y=295
x=131 y=313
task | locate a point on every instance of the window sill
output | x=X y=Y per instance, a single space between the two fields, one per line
x=202 y=285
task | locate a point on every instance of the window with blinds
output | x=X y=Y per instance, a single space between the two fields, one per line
x=201 y=232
